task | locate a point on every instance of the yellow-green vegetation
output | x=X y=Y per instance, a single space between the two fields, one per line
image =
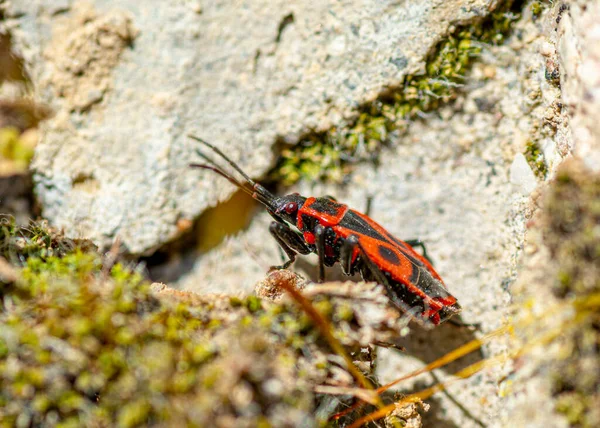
x=535 y=159
x=15 y=152
x=84 y=343
x=328 y=156
x=536 y=9
x=572 y=224
x=18 y=114
x=37 y=240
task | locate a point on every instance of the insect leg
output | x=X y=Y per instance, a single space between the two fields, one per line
x=346 y=252
x=420 y=244
x=320 y=243
x=289 y=241
x=369 y=205
x=463 y=324
x=282 y=254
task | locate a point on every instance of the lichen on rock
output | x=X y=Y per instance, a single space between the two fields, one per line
x=329 y=155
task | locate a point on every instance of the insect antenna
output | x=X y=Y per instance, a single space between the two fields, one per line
x=222 y=174
x=222 y=155
x=219 y=170
x=251 y=187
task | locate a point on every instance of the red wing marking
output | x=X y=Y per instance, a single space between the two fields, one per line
x=309 y=237
x=327 y=211
x=400 y=266
x=390 y=258
x=400 y=245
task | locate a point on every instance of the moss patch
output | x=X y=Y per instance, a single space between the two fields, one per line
x=85 y=343
x=536 y=9
x=16 y=151
x=329 y=155
x=535 y=159
x=572 y=220
x=37 y=239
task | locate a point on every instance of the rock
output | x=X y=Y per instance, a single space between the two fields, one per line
x=578 y=31
x=521 y=175
x=447 y=182
x=547 y=387
x=129 y=83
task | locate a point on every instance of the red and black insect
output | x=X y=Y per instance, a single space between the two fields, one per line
x=339 y=234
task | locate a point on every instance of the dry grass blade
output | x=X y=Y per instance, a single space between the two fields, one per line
x=367 y=395
x=325 y=328
x=440 y=362
x=585 y=308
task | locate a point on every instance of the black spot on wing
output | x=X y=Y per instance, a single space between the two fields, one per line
x=398 y=292
x=358 y=224
x=420 y=275
x=388 y=255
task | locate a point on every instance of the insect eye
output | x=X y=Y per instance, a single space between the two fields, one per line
x=291 y=208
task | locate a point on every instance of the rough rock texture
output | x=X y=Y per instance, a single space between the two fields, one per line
x=555 y=384
x=457 y=180
x=128 y=84
x=578 y=33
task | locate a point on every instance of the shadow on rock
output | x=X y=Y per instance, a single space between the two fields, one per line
x=426 y=345
x=430 y=345
x=436 y=416
x=311 y=271
x=199 y=237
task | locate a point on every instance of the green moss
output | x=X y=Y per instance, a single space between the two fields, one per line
x=324 y=307
x=82 y=344
x=344 y=313
x=536 y=9
x=134 y=414
x=329 y=155
x=573 y=406
x=235 y=301
x=572 y=234
x=19 y=243
x=535 y=159
x=253 y=303
x=3 y=349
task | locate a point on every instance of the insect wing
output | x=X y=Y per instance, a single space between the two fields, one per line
x=412 y=283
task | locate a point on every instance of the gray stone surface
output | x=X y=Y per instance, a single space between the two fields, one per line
x=579 y=53
x=129 y=79
x=571 y=47
x=113 y=161
x=448 y=181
